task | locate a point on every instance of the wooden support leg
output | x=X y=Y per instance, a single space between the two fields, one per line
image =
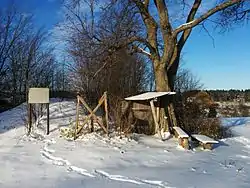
x=208 y=146
x=77 y=117
x=154 y=116
x=106 y=112
x=185 y=143
x=91 y=124
x=29 y=118
x=175 y=134
x=47 y=105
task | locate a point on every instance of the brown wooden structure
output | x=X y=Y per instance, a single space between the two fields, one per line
x=147 y=106
x=205 y=141
x=183 y=137
x=92 y=116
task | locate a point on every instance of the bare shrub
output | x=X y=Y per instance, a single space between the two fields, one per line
x=244 y=110
x=196 y=114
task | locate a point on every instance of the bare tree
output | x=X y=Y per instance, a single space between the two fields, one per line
x=12 y=26
x=164 y=30
x=25 y=59
x=185 y=81
x=92 y=42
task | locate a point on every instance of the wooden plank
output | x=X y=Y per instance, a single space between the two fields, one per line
x=180 y=132
x=140 y=109
x=103 y=127
x=204 y=139
x=106 y=111
x=157 y=127
x=158 y=111
x=92 y=124
x=77 y=116
x=154 y=115
x=84 y=103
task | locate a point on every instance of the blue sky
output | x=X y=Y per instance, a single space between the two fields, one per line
x=46 y=12
x=225 y=66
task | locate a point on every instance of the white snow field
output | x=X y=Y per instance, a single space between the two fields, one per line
x=96 y=161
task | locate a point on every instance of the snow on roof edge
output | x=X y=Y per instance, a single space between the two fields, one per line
x=148 y=95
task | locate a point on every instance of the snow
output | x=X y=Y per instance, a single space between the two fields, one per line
x=98 y=161
x=235 y=121
x=148 y=95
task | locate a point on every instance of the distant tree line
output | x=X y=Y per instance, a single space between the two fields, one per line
x=26 y=57
x=230 y=95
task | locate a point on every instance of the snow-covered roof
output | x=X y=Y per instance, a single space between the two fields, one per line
x=148 y=95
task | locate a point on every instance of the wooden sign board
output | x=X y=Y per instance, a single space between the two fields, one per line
x=38 y=95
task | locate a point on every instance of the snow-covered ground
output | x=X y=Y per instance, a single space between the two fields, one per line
x=97 y=161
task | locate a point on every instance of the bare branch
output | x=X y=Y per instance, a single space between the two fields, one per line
x=151 y=26
x=209 y=13
x=164 y=17
x=208 y=33
x=190 y=18
x=142 y=51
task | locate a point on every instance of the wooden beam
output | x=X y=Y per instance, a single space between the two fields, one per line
x=154 y=115
x=155 y=119
x=84 y=103
x=106 y=111
x=29 y=118
x=140 y=109
x=77 y=116
x=47 y=105
x=158 y=111
x=103 y=127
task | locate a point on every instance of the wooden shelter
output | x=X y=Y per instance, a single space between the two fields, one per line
x=146 y=107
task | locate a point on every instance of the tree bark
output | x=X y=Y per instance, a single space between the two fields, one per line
x=161 y=79
x=163 y=83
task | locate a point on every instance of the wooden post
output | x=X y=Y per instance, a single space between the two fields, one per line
x=154 y=115
x=92 y=124
x=155 y=118
x=77 y=116
x=29 y=118
x=158 y=111
x=47 y=105
x=106 y=112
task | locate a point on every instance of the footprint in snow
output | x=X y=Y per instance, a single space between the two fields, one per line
x=193 y=169
x=204 y=172
x=240 y=169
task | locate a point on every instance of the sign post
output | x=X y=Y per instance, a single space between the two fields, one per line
x=38 y=96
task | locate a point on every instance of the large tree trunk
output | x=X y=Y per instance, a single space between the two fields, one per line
x=167 y=117
x=161 y=79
